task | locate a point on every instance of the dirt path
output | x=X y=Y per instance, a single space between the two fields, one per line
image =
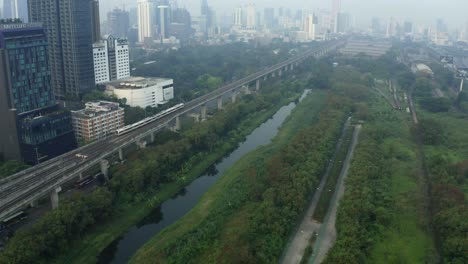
x=327 y=236
x=308 y=226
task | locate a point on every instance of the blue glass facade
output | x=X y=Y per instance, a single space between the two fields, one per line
x=26 y=52
x=41 y=130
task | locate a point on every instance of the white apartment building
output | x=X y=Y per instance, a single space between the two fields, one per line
x=142 y=92
x=146 y=19
x=111 y=59
x=97 y=120
x=101 y=62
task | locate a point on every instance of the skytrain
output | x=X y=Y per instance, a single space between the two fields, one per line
x=148 y=120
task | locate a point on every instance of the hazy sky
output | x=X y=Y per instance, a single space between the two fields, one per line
x=454 y=12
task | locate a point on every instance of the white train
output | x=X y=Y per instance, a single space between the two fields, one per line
x=148 y=120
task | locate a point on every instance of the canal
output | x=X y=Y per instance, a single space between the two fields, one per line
x=122 y=249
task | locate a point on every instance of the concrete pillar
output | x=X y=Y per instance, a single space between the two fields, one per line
x=273 y=74
x=104 y=168
x=233 y=97
x=220 y=103
x=152 y=137
x=292 y=67
x=257 y=85
x=203 y=112
x=141 y=144
x=80 y=175
x=265 y=78
x=54 y=197
x=121 y=156
x=246 y=89
x=33 y=204
x=280 y=72
x=178 y=125
x=196 y=117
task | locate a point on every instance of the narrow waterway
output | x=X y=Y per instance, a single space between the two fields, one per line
x=173 y=209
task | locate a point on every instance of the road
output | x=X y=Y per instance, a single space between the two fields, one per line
x=24 y=187
x=327 y=235
x=309 y=226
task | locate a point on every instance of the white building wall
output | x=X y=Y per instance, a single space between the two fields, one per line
x=148 y=96
x=101 y=63
x=122 y=57
x=146 y=18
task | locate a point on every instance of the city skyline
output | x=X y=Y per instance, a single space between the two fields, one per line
x=452 y=11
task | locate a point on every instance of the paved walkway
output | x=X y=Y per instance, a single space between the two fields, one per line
x=308 y=225
x=328 y=237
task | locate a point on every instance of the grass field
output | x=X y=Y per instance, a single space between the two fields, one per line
x=406 y=239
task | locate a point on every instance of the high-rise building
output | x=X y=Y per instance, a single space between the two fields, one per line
x=311 y=26
x=146 y=19
x=375 y=26
x=207 y=12
x=162 y=18
x=96 y=21
x=101 y=62
x=15 y=9
x=71 y=28
x=391 y=28
x=336 y=9
x=408 y=27
x=343 y=22
x=181 y=25
x=238 y=17
x=441 y=26
x=34 y=128
x=111 y=59
x=118 y=22
x=250 y=16
x=269 y=17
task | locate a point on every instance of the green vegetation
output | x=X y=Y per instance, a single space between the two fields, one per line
x=150 y=177
x=189 y=65
x=329 y=188
x=249 y=213
x=382 y=216
x=444 y=137
x=10 y=167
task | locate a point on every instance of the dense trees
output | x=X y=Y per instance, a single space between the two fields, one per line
x=55 y=231
x=10 y=167
x=135 y=181
x=267 y=197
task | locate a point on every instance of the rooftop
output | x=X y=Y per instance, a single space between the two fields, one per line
x=96 y=108
x=136 y=82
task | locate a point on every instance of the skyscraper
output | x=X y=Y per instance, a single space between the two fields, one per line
x=71 y=27
x=269 y=17
x=33 y=128
x=96 y=21
x=146 y=19
x=250 y=15
x=15 y=9
x=118 y=22
x=238 y=17
x=336 y=9
x=162 y=17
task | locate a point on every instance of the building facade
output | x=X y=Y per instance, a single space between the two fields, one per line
x=35 y=128
x=101 y=62
x=142 y=92
x=111 y=59
x=97 y=120
x=118 y=22
x=146 y=20
x=71 y=28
